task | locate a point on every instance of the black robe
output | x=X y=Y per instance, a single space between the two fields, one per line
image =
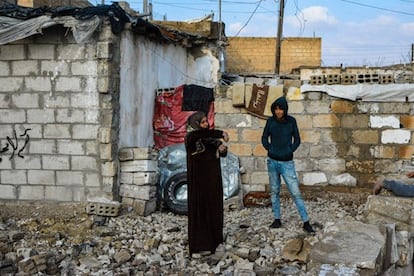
x=205 y=191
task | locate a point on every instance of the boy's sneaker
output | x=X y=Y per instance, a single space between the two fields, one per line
x=308 y=228
x=276 y=224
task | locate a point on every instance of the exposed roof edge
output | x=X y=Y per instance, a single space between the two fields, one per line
x=19 y=22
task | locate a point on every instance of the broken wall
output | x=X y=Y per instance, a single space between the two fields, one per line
x=346 y=144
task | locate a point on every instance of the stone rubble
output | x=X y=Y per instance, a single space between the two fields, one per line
x=157 y=244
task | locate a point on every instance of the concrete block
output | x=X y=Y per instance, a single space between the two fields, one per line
x=273 y=93
x=314 y=178
x=27 y=163
x=79 y=193
x=59 y=131
x=317 y=79
x=85 y=68
x=109 y=169
x=55 y=162
x=126 y=154
x=344 y=179
x=38 y=84
x=406 y=77
x=58 y=193
x=367 y=78
x=126 y=177
x=144 y=153
x=54 y=68
x=333 y=79
x=103 y=85
x=104 y=50
x=31 y=193
x=70 y=147
x=70 y=116
x=68 y=84
x=85 y=131
x=13 y=177
x=55 y=101
x=139 y=166
x=12 y=52
x=353 y=243
x=348 y=79
x=82 y=163
x=106 y=209
x=386 y=79
x=332 y=164
x=405 y=248
x=25 y=67
x=10 y=84
x=41 y=116
x=390 y=209
x=72 y=178
x=105 y=151
x=144 y=207
x=82 y=100
x=144 y=192
x=7 y=191
x=104 y=136
x=238 y=91
x=12 y=116
x=142 y=178
x=42 y=147
x=380 y=121
x=71 y=51
x=92 y=179
x=396 y=136
x=41 y=51
x=41 y=177
x=4 y=68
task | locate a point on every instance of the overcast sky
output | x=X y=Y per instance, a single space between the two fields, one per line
x=353 y=32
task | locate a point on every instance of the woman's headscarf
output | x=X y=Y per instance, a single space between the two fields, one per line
x=193 y=122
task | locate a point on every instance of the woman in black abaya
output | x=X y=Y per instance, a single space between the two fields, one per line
x=205 y=189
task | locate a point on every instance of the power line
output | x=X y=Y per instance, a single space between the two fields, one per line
x=375 y=7
x=250 y=17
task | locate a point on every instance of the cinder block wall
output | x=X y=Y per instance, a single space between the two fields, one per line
x=256 y=55
x=56 y=116
x=338 y=137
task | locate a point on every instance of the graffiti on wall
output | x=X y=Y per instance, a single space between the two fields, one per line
x=12 y=144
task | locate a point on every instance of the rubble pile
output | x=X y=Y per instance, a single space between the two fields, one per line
x=128 y=244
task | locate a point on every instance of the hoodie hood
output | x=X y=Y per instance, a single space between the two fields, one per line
x=282 y=104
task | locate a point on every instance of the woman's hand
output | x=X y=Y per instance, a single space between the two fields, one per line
x=226 y=137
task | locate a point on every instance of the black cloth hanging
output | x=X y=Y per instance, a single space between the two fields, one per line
x=197 y=98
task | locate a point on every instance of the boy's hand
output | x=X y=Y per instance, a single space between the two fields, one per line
x=410 y=174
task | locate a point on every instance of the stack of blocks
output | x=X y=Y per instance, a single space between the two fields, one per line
x=138 y=179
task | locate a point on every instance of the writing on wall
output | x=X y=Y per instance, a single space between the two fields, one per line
x=12 y=144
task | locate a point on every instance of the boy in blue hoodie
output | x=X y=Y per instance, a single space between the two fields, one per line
x=281 y=138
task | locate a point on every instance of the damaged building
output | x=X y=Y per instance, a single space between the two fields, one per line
x=90 y=95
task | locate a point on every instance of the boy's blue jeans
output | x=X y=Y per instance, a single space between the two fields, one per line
x=287 y=170
x=398 y=188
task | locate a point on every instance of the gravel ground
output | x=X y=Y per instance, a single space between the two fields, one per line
x=69 y=242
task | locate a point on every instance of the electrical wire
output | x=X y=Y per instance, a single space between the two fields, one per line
x=248 y=20
x=375 y=7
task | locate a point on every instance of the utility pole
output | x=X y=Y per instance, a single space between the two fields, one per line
x=145 y=7
x=412 y=53
x=279 y=36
